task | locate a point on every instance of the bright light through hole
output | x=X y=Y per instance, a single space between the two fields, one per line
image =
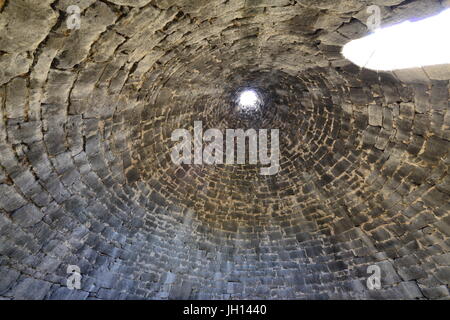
x=406 y=45
x=248 y=99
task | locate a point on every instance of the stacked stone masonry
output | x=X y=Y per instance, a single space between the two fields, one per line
x=86 y=177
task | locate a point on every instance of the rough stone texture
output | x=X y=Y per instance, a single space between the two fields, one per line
x=86 y=177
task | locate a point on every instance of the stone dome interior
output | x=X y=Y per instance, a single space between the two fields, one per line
x=86 y=177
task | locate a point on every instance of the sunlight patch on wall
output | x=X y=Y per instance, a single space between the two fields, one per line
x=406 y=45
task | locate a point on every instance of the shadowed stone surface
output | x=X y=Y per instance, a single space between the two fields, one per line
x=86 y=177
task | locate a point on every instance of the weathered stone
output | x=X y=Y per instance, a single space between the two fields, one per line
x=27 y=215
x=375 y=115
x=7 y=278
x=10 y=200
x=30 y=289
x=86 y=177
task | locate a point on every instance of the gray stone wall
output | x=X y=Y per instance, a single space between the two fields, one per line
x=86 y=177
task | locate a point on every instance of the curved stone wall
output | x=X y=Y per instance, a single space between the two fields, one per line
x=86 y=177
